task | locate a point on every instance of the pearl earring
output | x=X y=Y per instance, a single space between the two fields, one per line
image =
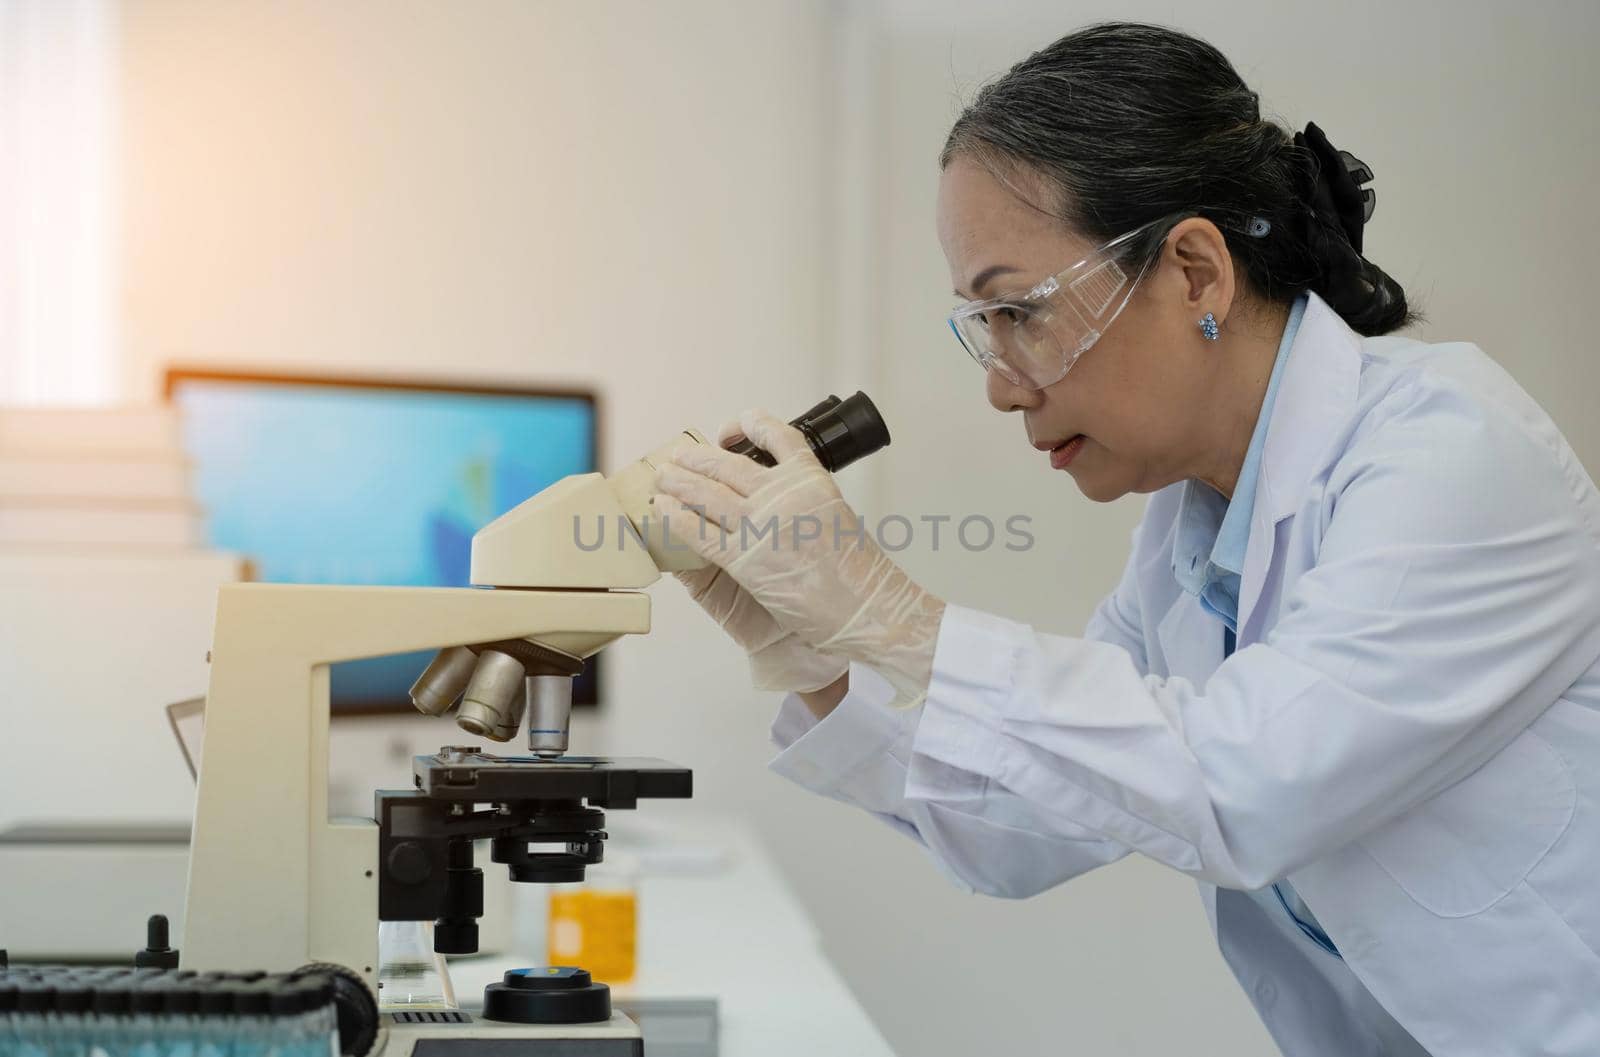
x=1208 y=327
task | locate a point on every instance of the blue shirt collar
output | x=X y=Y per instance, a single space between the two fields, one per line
x=1213 y=533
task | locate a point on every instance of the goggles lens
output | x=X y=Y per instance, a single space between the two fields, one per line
x=1013 y=338
x=1033 y=339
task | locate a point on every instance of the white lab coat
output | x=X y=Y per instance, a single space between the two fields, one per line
x=1409 y=730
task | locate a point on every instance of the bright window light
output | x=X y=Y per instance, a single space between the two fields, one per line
x=58 y=217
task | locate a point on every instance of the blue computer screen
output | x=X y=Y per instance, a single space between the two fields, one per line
x=371 y=483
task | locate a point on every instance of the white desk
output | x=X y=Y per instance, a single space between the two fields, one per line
x=716 y=920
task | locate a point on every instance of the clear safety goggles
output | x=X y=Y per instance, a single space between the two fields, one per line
x=1032 y=339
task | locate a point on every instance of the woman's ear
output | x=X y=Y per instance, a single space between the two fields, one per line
x=1196 y=247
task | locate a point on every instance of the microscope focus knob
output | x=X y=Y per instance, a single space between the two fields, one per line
x=455 y=936
x=408 y=863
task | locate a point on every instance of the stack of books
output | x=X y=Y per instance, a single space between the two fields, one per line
x=100 y=477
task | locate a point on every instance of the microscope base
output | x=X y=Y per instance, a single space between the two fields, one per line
x=412 y=1033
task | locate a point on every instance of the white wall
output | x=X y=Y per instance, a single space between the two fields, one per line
x=625 y=197
x=647 y=198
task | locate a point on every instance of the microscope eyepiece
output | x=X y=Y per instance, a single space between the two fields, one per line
x=839 y=432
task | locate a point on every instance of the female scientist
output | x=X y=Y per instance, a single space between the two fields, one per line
x=1349 y=678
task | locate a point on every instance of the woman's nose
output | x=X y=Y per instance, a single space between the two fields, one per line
x=1006 y=395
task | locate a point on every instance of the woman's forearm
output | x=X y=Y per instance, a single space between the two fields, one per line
x=822 y=702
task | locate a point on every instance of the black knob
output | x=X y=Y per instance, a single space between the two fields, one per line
x=156 y=954
x=408 y=863
x=548 y=995
x=455 y=936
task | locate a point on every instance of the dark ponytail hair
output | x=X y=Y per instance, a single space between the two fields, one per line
x=1128 y=123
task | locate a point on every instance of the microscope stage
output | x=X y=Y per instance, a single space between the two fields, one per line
x=463 y=774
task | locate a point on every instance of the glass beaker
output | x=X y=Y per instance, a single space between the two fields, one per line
x=411 y=974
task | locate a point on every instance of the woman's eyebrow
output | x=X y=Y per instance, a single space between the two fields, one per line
x=978 y=281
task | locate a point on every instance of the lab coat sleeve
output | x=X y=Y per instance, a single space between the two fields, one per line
x=982 y=839
x=1117 y=619
x=1452 y=600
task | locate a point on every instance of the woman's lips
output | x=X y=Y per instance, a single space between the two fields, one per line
x=1065 y=452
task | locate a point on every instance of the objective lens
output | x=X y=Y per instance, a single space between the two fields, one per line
x=549 y=714
x=489 y=704
x=511 y=720
x=437 y=688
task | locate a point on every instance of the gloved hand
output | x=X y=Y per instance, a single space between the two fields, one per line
x=786 y=535
x=778 y=659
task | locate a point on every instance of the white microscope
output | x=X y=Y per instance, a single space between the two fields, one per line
x=275 y=884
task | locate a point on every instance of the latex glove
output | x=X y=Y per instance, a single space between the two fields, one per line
x=779 y=660
x=788 y=537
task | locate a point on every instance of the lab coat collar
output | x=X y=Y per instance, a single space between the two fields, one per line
x=1319 y=388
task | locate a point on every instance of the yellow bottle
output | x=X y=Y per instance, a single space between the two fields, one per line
x=595 y=925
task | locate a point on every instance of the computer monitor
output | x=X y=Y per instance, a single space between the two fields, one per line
x=344 y=480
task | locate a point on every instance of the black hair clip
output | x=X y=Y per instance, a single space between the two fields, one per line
x=1333 y=185
x=1338 y=208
